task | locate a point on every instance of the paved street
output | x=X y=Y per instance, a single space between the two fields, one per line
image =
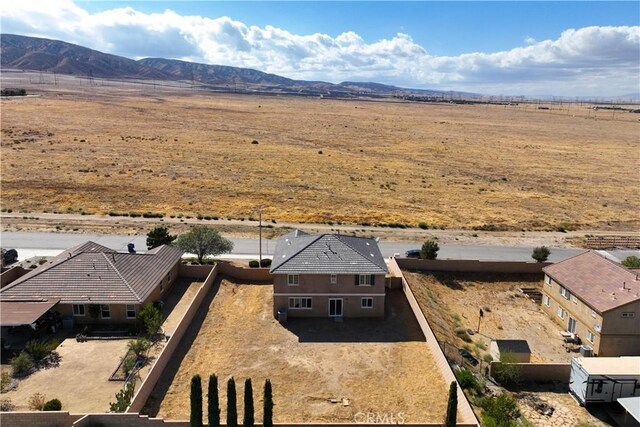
x=31 y=244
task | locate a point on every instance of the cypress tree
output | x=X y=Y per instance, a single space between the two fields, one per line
x=196 y=401
x=248 y=420
x=267 y=420
x=232 y=410
x=452 y=406
x=213 y=403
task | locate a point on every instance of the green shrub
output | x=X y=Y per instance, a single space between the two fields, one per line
x=40 y=349
x=6 y=405
x=501 y=411
x=266 y=262
x=123 y=398
x=429 y=250
x=129 y=363
x=22 y=363
x=151 y=318
x=5 y=381
x=52 y=405
x=36 y=402
x=139 y=346
x=487 y=358
x=466 y=379
x=423 y=225
x=631 y=261
x=254 y=263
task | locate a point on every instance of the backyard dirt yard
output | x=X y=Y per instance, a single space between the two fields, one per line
x=379 y=366
x=80 y=382
x=451 y=300
x=99 y=149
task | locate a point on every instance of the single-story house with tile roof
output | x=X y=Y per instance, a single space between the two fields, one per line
x=596 y=299
x=116 y=284
x=328 y=275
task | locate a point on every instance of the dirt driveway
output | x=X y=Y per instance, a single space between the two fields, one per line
x=80 y=382
x=379 y=366
x=451 y=300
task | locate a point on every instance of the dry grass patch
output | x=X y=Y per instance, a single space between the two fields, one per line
x=383 y=366
x=381 y=162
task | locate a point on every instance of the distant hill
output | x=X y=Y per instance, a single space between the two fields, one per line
x=38 y=54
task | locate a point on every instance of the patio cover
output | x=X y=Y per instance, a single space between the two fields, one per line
x=16 y=313
x=632 y=406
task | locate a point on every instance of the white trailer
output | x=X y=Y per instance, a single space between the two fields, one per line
x=604 y=379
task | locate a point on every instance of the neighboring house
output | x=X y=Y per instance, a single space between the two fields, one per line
x=598 y=300
x=518 y=351
x=328 y=275
x=604 y=379
x=116 y=283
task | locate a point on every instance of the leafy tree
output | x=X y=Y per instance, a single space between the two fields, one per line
x=196 y=401
x=631 y=261
x=267 y=420
x=159 y=236
x=541 y=253
x=248 y=420
x=429 y=250
x=507 y=371
x=232 y=410
x=151 y=318
x=22 y=363
x=501 y=411
x=123 y=398
x=139 y=346
x=452 y=406
x=213 y=403
x=203 y=241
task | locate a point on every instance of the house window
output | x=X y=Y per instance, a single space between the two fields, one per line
x=78 y=309
x=105 y=311
x=574 y=299
x=545 y=300
x=590 y=337
x=300 y=303
x=334 y=279
x=364 y=280
x=564 y=292
x=131 y=311
x=161 y=286
x=598 y=386
x=547 y=280
x=293 y=280
x=593 y=314
x=629 y=314
x=169 y=277
x=561 y=313
x=366 y=303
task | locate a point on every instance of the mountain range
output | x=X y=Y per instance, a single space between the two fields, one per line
x=39 y=54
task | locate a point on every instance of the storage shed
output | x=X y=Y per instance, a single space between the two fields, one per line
x=518 y=350
x=604 y=379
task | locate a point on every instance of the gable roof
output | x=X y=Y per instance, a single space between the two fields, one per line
x=599 y=282
x=299 y=253
x=513 y=346
x=96 y=274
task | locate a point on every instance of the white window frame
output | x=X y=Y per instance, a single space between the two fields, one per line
x=364 y=303
x=565 y=292
x=303 y=303
x=546 y=300
x=591 y=337
x=77 y=313
x=574 y=299
x=593 y=314
x=133 y=308
x=102 y=311
x=547 y=280
x=561 y=312
x=293 y=279
x=334 y=279
x=629 y=314
x=364 y=280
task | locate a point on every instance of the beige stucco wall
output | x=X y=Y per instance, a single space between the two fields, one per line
x=320 y=288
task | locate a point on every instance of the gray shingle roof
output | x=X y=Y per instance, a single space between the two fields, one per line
x=301 y=253
x=93 y=273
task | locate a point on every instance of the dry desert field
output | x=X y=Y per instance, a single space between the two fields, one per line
x=107 y=149
x=376 y=366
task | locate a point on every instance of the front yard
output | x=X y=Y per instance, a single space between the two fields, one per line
x=321 y=371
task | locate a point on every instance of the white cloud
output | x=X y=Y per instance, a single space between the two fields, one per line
x=585 y=61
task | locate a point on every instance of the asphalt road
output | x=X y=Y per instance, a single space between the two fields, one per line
x=48 y=244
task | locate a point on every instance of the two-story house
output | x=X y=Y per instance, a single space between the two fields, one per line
x=598 y=300
x=328 y=275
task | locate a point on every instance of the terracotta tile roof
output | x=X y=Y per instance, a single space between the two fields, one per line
x=93 y=273
x=596 y=280
x=301 y=253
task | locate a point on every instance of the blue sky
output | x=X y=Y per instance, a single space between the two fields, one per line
x=528 y=48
